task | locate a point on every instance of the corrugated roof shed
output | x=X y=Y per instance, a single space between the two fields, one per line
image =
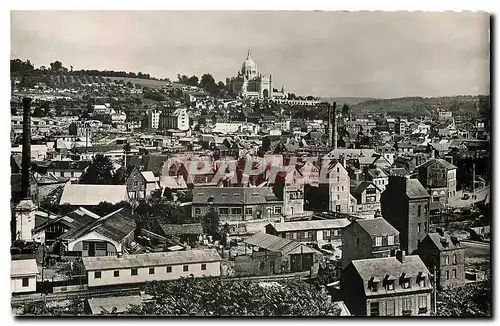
x=151 y=259
x=24 y=267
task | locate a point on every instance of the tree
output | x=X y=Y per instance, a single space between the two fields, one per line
x=38 y=112
x=100 y=171
x=211 y=297
x=182 y=79
x=105 y=208
x=291 y=96
x=466 y=300
x=192 y=81
x=127 y=148
x=56 y=66
x=210 y=223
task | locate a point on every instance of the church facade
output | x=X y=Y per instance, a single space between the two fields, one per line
x=249 y=82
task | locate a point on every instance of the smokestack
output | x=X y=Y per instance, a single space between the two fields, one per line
x=329 y=127
x=400 y=255
x=335 y=139
x=26 y=157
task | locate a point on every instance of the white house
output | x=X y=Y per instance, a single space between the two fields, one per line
x=23 y=275
x=158 y=266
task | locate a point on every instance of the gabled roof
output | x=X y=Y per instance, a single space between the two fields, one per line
x=149 y=176
x=115 y=226
x=91 y=195
x=274 y=243
x=376 y=226
x=362 y=187
x=173 y=182
x=120 y=303
x=447 y=165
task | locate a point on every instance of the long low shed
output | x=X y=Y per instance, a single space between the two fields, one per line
x=159 y=266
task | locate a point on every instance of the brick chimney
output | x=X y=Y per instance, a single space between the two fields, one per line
x=400 y=255
x=26 y=155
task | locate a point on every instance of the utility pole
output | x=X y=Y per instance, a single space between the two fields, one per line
x=435 y=291
x=473 y=177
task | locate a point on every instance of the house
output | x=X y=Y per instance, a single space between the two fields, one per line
x=388 y=286
x=92 y=195
x=315 y=231
x=108 y=236
x=266 y=254
x=174 y=119
x=69 y=169
x=443 y=252
x=367 y=196
x=186 y=233
x=150 y=183
x=373 y=238
x=339 y=186
x=405 y=204
x=158 y=266
x=196 y=172
x=440 y=178
x=23 y=275
x=245 y=209
x=378 y=177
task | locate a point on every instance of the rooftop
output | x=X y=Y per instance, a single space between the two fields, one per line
x=90 y=195
x=377 y=226
x=151 y=259
x=25 y=267
x=311 y=225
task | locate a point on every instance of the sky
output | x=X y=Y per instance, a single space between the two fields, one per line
x=342 y=54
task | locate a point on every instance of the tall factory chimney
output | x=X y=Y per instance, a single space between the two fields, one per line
x=335 y=138
x=26 y=157
x=329 y=126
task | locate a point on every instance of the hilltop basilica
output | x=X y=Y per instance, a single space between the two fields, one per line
x=251 y=83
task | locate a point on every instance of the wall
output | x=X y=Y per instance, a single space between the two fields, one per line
x=339 y=189
x=414 y=236
x=350 y=250
x=107 y=276
x=16 y=284
x=398 y=304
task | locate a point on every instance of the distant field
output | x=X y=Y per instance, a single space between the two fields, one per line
x=144 y=82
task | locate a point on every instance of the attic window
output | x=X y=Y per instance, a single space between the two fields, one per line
x=373 y=284
x=236 y=194
x=405 y=281
x=223 y=194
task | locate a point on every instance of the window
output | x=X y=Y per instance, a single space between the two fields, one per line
x=97 y=274
x=101 y=246
x=419 y=227
x=422 y=304
x=390 y=285
x=26 y=282
x=406 y=306
x=338 y=179
x=223 y=194
x=169 y=269
x=446 y=260
x=405 y=283
x=116 y=273
x=390 y=308
x=374 y=286
x=454 y=273
x=248 y=211
x=426 y=208
x=262 y=265
x=447 y=275
x=425 y=227
x=203 y=267
x=338 y=197
x=374 y=309
x=277 y=209
x=85 y=245
x=185 y=268
x=357 y=242
x=454 y=259
x=151 y=270
x=390 y=239
x=335 y=233
x=223 y=210
x=236 y=210
x=338 y=170
x=342 y=188
x=306 y=235
x=133 y=271
x=197 y=210
x=337 y=208
x=326 y=234
x=136 y=183
x=419 y=211
x=378 y=241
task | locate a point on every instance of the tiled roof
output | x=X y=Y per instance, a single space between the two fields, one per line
x=233 y=195
x=151 y=259
x=447 y=165
x=443 y=243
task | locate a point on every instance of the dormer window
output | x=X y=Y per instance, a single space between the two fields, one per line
x=405 y=281
x=421 y=279
x=389 y=282
x=373 y=284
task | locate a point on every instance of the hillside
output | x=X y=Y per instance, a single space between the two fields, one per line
x=346 y=100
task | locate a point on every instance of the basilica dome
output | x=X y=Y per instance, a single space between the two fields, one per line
x=249 y=68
